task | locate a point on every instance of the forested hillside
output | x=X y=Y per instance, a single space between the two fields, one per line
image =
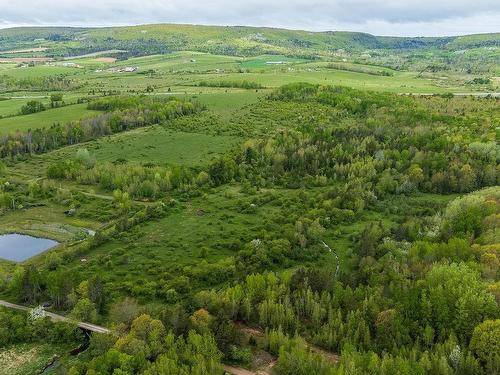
x=232 y=40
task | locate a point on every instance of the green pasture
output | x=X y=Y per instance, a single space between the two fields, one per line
x=183 y=70
x=12 y=107
x=154 y=144
x=262 y=62
x=225 y=102
x=38 y=71
x=401 y=82
x=11 y=103
x=45 y=118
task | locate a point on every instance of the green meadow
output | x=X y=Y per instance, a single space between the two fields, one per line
x=156 y=145
x=45 y=118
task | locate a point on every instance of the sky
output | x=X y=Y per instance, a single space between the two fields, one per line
x=387 y=17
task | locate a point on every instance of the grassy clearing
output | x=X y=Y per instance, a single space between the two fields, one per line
x=262 y=62
x=38 y=71
x=172 y=246
x=155 y=145
x=401 y=82
x=48 y=221
x=11 y=107
x=45 y=118
x=226 y=102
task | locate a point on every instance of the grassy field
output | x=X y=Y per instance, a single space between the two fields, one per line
x=183 y=70
x=208 y=230
x=45 y=118
x=11 y=107
x=155 y=144
x=401 y=82
x=184 y=61
x=37 y=71
x=47 y=221
x=226 y=102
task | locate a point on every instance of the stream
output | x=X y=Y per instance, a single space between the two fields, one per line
x=54 y=362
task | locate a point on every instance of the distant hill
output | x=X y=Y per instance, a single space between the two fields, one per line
x=228 y=40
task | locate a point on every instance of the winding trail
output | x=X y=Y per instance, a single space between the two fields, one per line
x=237 y=370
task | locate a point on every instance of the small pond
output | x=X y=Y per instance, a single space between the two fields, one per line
x=19 y=247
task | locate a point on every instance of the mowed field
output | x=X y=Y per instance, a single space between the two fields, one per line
x=11 y=107
x=45 y=118
x=38 y=71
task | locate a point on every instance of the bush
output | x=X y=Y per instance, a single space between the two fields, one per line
x=32 y=106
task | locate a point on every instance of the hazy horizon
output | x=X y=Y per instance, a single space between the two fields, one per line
x=389 y=17
x=3 y=27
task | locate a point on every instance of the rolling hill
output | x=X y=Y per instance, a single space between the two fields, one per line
x=227 y=40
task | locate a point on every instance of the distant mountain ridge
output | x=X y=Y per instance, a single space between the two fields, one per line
x=230 y=40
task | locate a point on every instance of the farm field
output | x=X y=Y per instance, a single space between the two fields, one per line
x=249 y=201
x=45 y=118
x=11 y=107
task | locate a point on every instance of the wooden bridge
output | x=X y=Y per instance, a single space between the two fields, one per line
x=59 y=318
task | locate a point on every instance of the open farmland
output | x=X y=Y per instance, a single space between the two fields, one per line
x=45 y=118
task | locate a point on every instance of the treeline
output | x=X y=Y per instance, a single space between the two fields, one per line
x=121 y=114
x=141 y=182
x=232 y=84
x=359 y=69
x=149 y=348
x=52 y=83
x=16 y=327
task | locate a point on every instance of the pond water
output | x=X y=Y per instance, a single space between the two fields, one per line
x=19 y=247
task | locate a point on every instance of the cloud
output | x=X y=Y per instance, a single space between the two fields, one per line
x=397 y=17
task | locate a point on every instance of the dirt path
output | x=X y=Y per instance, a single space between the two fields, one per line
x=237 y=370
x=334 y=357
